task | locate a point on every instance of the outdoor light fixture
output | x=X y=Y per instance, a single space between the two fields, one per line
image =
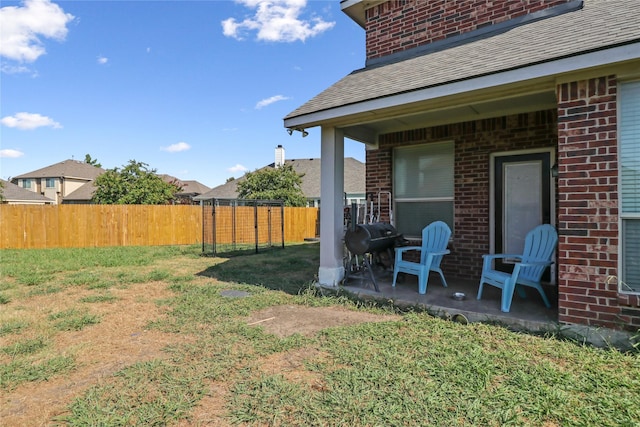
x=554 y=170
x=301 y=130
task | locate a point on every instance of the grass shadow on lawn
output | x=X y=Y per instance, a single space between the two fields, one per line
x=290 y=269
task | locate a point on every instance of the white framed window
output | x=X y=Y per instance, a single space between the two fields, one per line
x=423 y=186
x=629 y=166
x=26 y=183
x=50 y=183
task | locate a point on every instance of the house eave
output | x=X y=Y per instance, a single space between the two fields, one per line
x=536 y=77
x=29 y=201
x=355 y=9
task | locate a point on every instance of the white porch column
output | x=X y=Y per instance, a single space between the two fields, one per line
x=331 y=270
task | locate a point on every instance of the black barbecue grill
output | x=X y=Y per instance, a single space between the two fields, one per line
x=372 y=240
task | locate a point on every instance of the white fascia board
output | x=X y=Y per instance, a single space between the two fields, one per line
x=546 y=69
x=356 y=9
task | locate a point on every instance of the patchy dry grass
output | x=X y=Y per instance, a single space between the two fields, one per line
x=163 y=336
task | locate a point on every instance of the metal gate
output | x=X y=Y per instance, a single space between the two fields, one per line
x=241 y=226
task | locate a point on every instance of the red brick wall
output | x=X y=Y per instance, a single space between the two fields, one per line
x=474 y=142
x=398 y=25
x=588 y=207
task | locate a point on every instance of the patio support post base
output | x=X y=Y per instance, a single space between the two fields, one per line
x=330 y=277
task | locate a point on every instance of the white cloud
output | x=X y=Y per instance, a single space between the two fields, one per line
x=27 y=121
x=269 y=101
x=276 y=21
x=16 y=69
x=22 y=27
x=174 y=148
x=237 y=168
x=102 y=60
x=9 y=153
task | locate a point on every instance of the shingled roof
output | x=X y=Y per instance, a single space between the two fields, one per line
x=12 y=193
x=193 y=187
x=65 y=169
x=82 y=194
x=85 y=192
x=354 y=181
x=598 y=25
x=188 y=187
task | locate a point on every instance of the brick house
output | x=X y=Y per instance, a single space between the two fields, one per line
x=496 y=116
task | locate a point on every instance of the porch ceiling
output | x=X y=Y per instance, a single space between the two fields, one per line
x=381 y=122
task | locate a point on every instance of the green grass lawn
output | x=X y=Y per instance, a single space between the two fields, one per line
x=415 y=371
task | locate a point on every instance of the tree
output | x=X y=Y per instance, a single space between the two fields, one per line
x=1 y=191
x=90 y=161
x=135 y=184
x=281 y=183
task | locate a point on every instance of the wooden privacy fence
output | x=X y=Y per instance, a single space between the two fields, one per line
x=60 y=226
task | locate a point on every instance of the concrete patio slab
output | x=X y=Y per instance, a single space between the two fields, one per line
x=527 y=313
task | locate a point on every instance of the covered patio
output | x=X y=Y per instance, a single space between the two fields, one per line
x=494 y=132
x=528 y=314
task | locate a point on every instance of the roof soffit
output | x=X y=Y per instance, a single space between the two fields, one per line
x=356 y=9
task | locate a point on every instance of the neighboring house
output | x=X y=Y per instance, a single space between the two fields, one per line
x=189 y=190
x=14 y=195
x=309 y=169
x=72 y=182
x=495 y=116
x=58 y=180
x=82 y=196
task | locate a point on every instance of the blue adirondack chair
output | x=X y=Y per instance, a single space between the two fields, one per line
x=435 y=238
x=539 y=245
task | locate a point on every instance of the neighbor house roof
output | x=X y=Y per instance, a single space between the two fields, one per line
x=193 y=187
x=354 y=179
x=86 y=192
x=83 y=193
x=189 y=187
x=65 y=169
x=598 y=25
x=15 y=194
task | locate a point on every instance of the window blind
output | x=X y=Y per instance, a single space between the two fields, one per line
x=631 y=255
x=424 y=171
x=423 y=186
x=629 y=140
x=630 y=148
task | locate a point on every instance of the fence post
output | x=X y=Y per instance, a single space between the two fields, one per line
x=282 y=221
x=203 y=227
x=234 y=236
x=269 y=225
x=255 y=221
x=215 y=226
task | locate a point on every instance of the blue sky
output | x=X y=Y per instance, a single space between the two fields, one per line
x=195 y=89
